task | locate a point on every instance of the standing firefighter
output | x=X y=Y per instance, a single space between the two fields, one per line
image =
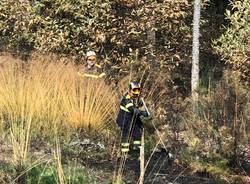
x=129 y=118
x=92 y=69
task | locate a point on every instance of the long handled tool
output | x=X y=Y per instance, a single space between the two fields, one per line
x=142 y=159
x=145 y=106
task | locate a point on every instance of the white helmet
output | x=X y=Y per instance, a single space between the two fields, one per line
x=90 y=53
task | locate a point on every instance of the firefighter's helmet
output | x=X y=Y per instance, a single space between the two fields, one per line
x=90 y=53
x=91 y=58
x=135 y=88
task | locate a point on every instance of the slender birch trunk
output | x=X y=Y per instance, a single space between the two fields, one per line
x=195 y=51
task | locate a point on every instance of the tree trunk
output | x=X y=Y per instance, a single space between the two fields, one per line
x=195 y=51
x=151 y=41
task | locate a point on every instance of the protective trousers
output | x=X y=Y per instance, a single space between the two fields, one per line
x=131 y=136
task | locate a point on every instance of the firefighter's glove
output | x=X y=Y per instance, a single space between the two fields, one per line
x=144 y=113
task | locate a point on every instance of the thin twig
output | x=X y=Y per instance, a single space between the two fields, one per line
x=179 y=175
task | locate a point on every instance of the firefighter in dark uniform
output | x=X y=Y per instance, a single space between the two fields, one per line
x=129 y=119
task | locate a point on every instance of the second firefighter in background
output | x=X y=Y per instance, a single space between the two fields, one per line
x=129 y=118
x=91 y=68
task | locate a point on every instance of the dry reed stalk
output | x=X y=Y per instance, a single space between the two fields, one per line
x=44 y=92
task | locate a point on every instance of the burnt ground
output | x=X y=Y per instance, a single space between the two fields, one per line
x=102 y=166
x=160 y=170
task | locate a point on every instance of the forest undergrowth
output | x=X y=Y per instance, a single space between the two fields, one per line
x=58 y=127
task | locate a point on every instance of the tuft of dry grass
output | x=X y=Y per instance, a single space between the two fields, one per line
x=44 y=94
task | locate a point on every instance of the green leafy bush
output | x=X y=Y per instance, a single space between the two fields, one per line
x=64 y=27
x=234 y=44
x=116 y=29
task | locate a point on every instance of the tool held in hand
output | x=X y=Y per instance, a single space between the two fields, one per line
x=145 y=106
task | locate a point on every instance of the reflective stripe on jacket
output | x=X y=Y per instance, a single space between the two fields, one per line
x=95 y=72
x=128 y=112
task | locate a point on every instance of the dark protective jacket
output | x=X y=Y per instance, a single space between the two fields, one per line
x=129 y=112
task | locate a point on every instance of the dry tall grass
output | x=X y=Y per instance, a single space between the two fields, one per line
x=44 y=94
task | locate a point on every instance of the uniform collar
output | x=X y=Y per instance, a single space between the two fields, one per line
x=127 y=96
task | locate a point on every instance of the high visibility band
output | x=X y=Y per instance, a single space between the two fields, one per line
x=137 y=142
x=91 y=75
x=128 y=97
x=136 y=148
x=125 y=144
x=129 y=105
x=125 y=149
x=124 y=108
x=101 y=75
x=98 y=66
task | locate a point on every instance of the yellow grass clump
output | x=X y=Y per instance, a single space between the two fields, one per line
x=44 y=94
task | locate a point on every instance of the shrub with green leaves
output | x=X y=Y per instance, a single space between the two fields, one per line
x=234 y=44
x=115 y=29
x=64 y=27
x=15 y=34
x=68 y=27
